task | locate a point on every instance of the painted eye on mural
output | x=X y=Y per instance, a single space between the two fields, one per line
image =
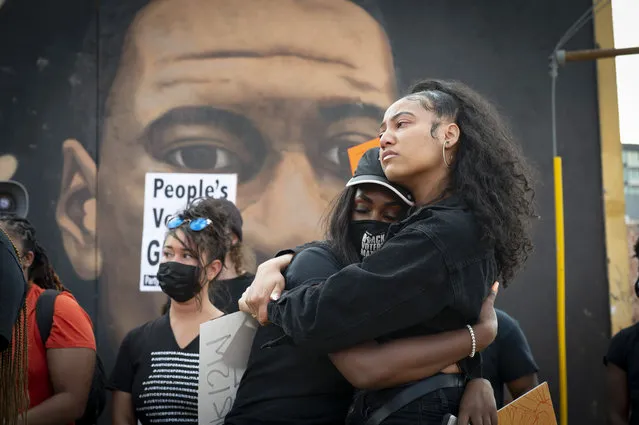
x=203 y=156
x=347 y=127
x=206 y=139
x=335 y=155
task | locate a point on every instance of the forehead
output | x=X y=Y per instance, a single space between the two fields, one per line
x=176 y=243
x=376 y=193
x=404 y=105
x=223 y=52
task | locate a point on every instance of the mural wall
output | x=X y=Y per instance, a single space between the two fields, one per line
x=93 y=98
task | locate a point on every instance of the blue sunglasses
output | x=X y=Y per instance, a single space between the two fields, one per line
x=197 y=224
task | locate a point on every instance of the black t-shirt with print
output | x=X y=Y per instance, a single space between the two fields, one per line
x=623 y=352
x=161 y=377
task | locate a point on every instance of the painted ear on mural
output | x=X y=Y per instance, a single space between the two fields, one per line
x=8 y=164
x=76 y=210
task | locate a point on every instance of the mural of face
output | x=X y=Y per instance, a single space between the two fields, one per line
x=275 y=94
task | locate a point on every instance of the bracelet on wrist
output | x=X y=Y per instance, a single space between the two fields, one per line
x=473 y=340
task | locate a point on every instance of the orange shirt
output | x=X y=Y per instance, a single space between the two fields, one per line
x=71 y=328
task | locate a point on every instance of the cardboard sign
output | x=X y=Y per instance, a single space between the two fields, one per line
x=225 y=345
x=532 y=408
x=356 y=152
x=164 y=195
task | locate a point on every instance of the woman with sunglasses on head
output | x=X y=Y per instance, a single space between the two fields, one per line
x=449 y=147
x=288 y=385
x=155 y=378
x=234 y=277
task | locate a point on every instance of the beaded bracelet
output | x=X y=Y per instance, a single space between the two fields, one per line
x=472 y=337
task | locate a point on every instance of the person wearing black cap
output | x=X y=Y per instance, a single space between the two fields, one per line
x=474 y=204
x=234 y=278
x=288 y=385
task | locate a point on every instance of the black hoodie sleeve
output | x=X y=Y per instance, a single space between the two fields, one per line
x=404 y=283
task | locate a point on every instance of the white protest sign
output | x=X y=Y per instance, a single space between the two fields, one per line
x=164 y=195
x=225 y=345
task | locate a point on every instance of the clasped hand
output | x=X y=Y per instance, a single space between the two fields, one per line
x=267 y=286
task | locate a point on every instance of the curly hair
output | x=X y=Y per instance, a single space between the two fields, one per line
x=489 y=171
x=40 y=271
x=237 y=254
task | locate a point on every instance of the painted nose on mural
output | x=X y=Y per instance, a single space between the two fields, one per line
x=288 y=210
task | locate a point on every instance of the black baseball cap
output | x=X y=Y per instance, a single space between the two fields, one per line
x=234 y=215
x=369 y=170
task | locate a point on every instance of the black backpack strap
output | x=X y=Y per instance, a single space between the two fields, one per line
x=44 y=313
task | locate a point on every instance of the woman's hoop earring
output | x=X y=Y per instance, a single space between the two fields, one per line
x=444 y=154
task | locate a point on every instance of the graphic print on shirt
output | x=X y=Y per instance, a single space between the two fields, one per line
x=371 y=243
x=169 y=395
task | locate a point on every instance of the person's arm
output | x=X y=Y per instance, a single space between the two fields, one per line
x=616 y=361
x=121 y=383
x=270 y=271
x=478 y=405
x=123 y=413
x=71 y=373
x=404 y=283
x=313 y=263
x=374 y=366
x=618 y=400
x=12 y=290
x=521 y=386
x=361 y=364
x=71 y=361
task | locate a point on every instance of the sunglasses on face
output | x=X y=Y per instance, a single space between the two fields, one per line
x=196 y=224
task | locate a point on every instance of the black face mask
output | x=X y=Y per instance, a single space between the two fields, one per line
x=637 y=287
x=367 y=236
x=180 y=282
